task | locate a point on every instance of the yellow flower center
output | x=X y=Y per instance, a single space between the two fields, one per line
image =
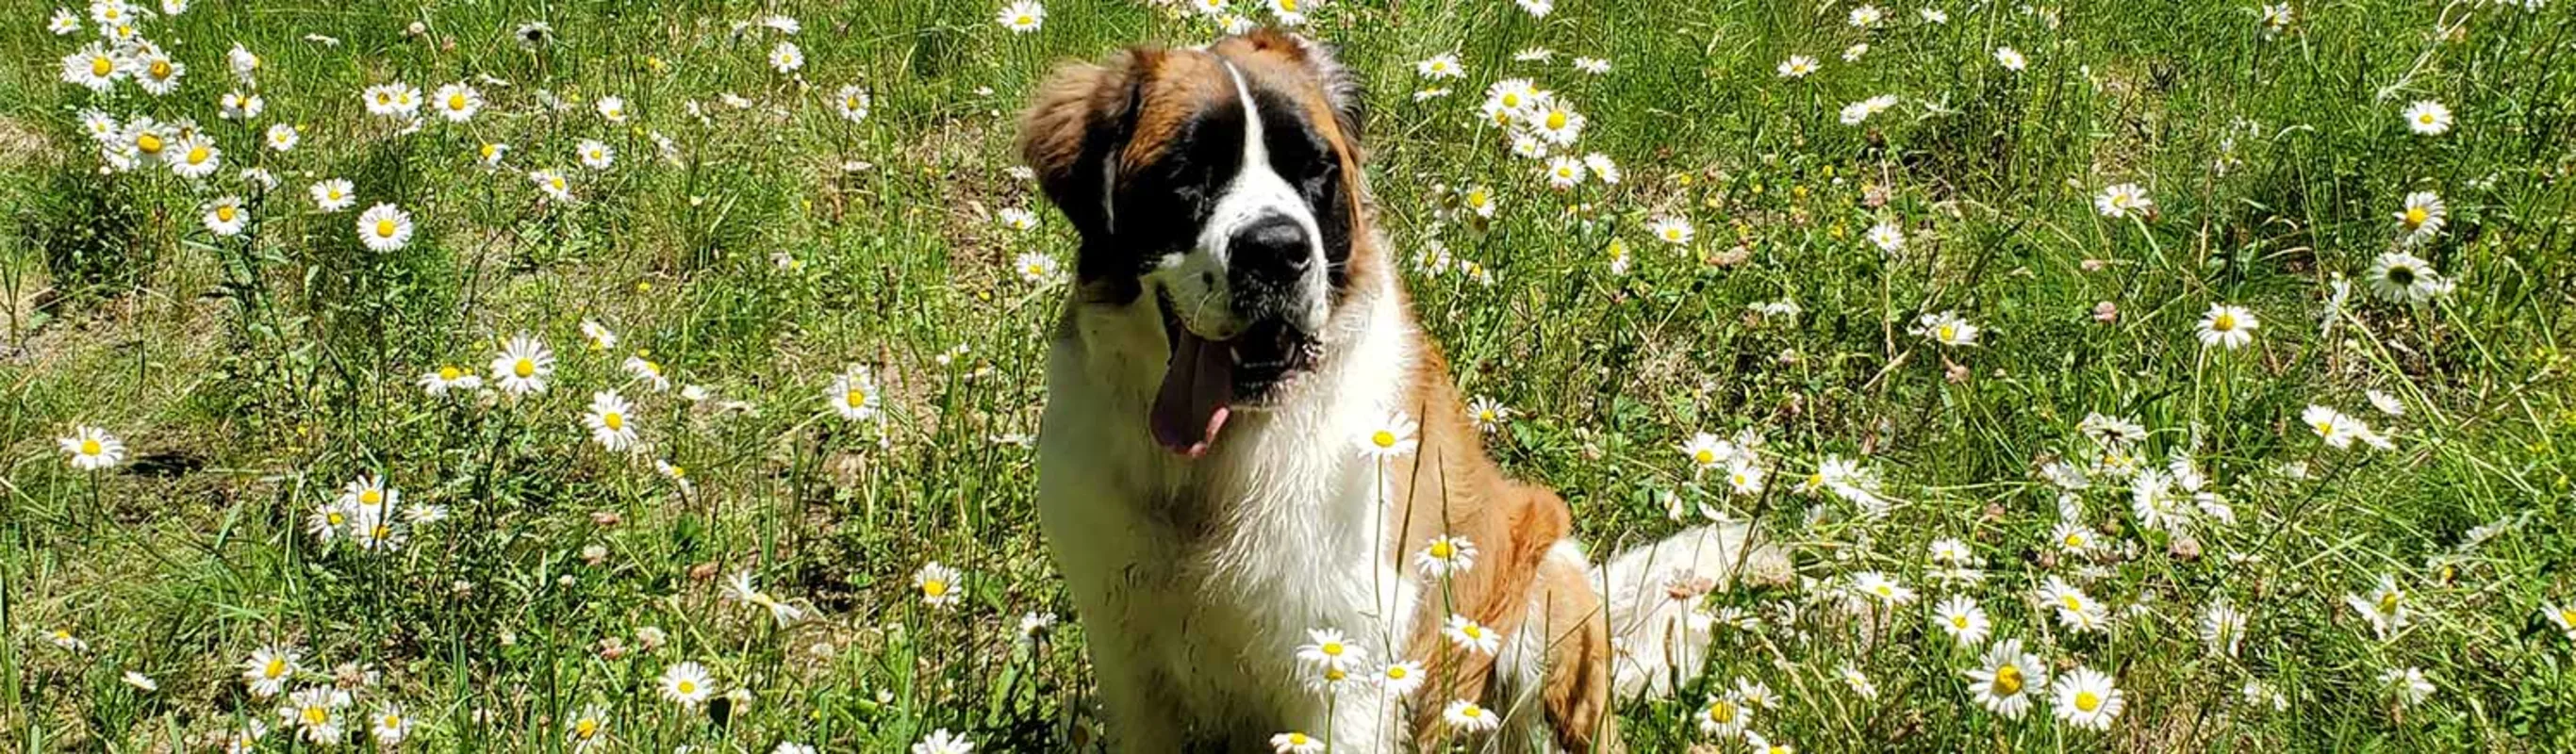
x=1959 y=621
x=101 y=66
x=91 y=448
x=1472 y=712
x=150 y=143
x=2071 y=602
x=2324 y=428
x=335 y=194
x=1949 y=332
x=336 y=518
x=225 y=213
x=491 y=150
x=1511 y=100
x=1673 y=234
x=2008 y=680
x=1473 y=631
x=1382 y=439
x=2567 y=616
x=1886 y=591
x=2388 y=602
x=556 y=182
x=197 y=155
x=687 y=687
x=1721 y=712
x=1024 y=20
x=392 y=721
x=276 y=667
x=585 y=728
x=371 y=497
x=2087 y=701
x=1442 y=549
x=1397 y=672
x=1335 y=674
x=160 y=69
x=449 y=374
x=934 y=588
x=1477 y=198
x=1704 y=456
x=1332 y=649
x=525 y=368
x=456 y=101
x=855 y=398
x=2075 y=540
x=615 y=421
x=385 y=228
x=380 y=532
x=315 y=715
x=2426 y=118
x=2223 y=322
x=2415 y=217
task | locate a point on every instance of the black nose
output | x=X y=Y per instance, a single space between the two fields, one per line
x=1274 y=244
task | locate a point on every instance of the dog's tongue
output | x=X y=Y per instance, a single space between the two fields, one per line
x=1197 y=385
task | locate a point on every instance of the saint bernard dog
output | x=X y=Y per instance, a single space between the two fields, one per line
x=1235 y=332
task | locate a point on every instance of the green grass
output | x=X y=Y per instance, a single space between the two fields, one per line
x=253 y=376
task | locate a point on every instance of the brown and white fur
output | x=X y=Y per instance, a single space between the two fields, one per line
x=1208 y=514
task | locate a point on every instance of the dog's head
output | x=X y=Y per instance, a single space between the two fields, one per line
x=1220 y=185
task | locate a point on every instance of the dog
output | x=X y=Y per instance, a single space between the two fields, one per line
x=1234 y=334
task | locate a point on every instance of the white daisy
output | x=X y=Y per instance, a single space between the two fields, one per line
x=385 y=227
x=523 y=366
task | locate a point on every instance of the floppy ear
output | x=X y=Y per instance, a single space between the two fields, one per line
x=1083 y=116
x=1342 y=91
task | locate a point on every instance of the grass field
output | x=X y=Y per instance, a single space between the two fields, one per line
x=2174 y=337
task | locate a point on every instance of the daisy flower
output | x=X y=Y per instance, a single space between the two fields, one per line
x=334 y=194
x=594 y=155
x=225 y=216
x=1564 y=172
x=943 y=742
x=2339 y=430
x=155 y=72
x=195 y=157
x=384 y=227
x=2384 y=607
x=2228 y=326
x=1887 y=237
x=608 y=422
x=523 y=366
x=1392 y=437
x=1866 y=16
x=1479 y=200
x=853 y=394
x=1963 y=619
x=739 y=587
x=786 y=57
x=551 y=183
x=314 y=713
x=268 y=669
x=1593 y=66
x=1946 y=328
x=140 y=681
x=1465 y=716
x=1487 y=413
x=1399 y=679
x=2076 y=610
x=92 y=449
x=852 y=101
x=2087 y=698
x=2563 y=615
x=1328 y=649
x=2222 y=627
x=1797 y=67
x=2404 y=278
x=63 y=22
x=2427 y=118
x=588 y=728
x=1441 y=66
x=1724 y=717
x=1857 y=681
x=448 y=378
x=390 y=725
x=937 y=583
x=2004 y=682
x=1445 y=556
x=1293 y=742
x=1039 y=269
x=239 y=106
x=2276 y=17
x=646 y=371
x=1556 y=123
x=2122 y=200
x=1536 y=8
x=458 y=102
x=1672 y=230
x=64 y=640
x=2409 y=684
x=394 y=100
x=611 y=109
x=2011 y=59
x=282 y=137
x=1602 y=168
x=2422 y=218
x=1879 y=586
x=686 y=684
x=1021 y=17
x=1471 y=636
